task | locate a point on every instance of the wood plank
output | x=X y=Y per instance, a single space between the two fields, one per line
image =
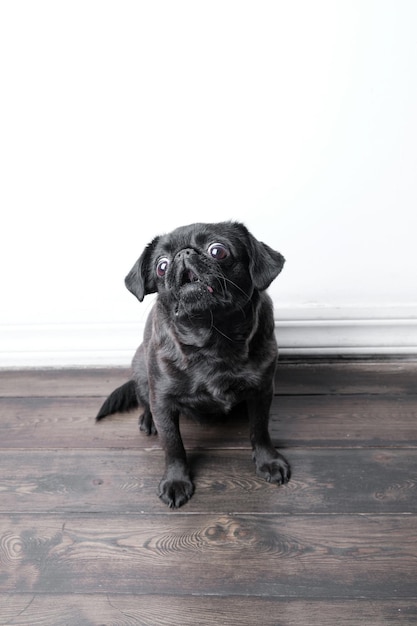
x=293 y=377
x=346 y=377
x=61 y=382
x=103 y=481
x=344 y=421
x=65 y=423
x=335 y=556
x=79 y=517
x=158 y=610
x=70 y=423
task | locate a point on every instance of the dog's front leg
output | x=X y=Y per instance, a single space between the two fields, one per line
x=176 y=486
x=270 y=464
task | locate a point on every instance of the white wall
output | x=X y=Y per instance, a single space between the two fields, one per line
x=121 y=120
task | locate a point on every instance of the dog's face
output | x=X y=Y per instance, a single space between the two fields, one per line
x=204 y=267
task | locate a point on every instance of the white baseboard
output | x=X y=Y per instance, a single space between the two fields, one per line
x=300 y=331
x=65 y=345
x=347 y=330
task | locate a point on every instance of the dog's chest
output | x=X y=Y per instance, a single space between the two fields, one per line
x=215 y=387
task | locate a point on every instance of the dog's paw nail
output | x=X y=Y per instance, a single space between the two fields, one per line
x=175 y=493
x=276 y=471
x=146 y=424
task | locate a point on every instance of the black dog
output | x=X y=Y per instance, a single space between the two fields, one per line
x=209 y=343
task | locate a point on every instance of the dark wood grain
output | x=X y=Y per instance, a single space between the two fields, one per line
x=104 y=481
x=368 y=420
x=346 y=420
x=157 y=610
x=78 y=382
x=341 y=377
x=293 y=377
x=85 y=540
x=274 y=555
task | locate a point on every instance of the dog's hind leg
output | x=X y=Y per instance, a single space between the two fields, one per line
x=146 y=423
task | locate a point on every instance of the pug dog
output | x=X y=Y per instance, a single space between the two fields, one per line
x=209 y=343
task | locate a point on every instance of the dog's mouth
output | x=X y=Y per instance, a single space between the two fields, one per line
x=189 y=277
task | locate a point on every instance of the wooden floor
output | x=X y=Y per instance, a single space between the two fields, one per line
x=85 y=540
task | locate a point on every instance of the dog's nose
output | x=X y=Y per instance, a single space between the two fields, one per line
x=184 y=253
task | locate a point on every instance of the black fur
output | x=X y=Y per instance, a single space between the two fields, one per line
x=121 y=399
x=208 y=345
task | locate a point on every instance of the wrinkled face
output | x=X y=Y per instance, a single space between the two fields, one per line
x=204 y=267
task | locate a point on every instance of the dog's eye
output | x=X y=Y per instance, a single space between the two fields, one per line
x=162 y=267
x=218 y=251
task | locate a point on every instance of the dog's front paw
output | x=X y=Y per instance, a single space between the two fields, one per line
x=274 y=468
x=175 y=492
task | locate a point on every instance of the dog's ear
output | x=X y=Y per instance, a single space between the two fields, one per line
x=141 y=279
x=264 y=263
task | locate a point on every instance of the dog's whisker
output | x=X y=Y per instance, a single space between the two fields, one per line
x=213 y=327
x=222 y=334
x=248 y=296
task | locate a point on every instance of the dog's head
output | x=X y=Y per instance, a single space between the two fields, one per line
x=204 y=267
